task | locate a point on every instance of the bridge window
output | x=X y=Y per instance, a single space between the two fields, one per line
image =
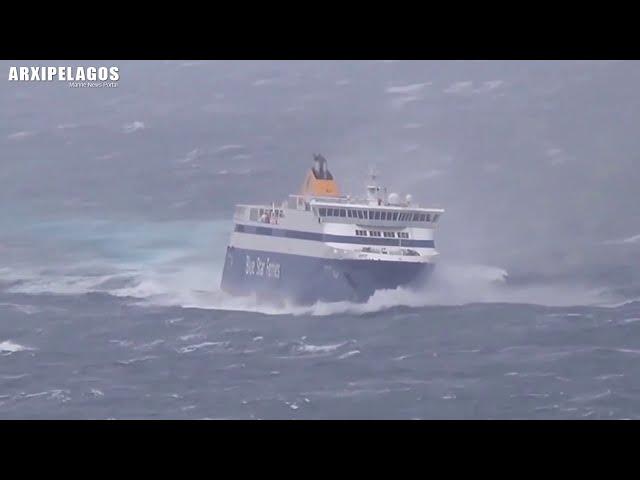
x=374 y=233
x=362 y=233
x=435 y=217
x=390 y=234
x=428 y=217
x=395 y=216
x=403 y=235
x=323 y=212
x=343 y=212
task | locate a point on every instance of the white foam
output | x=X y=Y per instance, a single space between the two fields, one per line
x=622 y=241
x=306 y=348
x=226 y=148
x=173 y=276
x=407 y=89
x=193 y=348
x=20 y=135
x=349 y=354
x=10 y=347
x=451 y=284
x=133 y=126
x=137 y=360
x=190 y=156
x=628 y=350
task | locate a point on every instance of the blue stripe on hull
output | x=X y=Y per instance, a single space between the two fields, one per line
x=273 y=277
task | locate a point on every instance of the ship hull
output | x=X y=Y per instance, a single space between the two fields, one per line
x=276 y=277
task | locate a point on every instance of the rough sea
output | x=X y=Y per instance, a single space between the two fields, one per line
x=136 y=327
x=116 y=207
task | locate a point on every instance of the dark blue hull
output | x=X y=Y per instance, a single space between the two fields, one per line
x=275 y=277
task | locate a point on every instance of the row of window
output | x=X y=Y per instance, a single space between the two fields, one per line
x=375 y=233
x=265 y=214
x=378 y=215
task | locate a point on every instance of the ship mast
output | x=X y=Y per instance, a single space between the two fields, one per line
x=375 y=193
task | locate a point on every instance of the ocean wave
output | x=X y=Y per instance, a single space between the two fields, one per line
x=180 y=264
x=196 y=286
x=133 y=127
x=306 y=348
x=199 y=346
x=8 y=347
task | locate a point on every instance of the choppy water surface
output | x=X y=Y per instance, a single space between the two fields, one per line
x=152 y=337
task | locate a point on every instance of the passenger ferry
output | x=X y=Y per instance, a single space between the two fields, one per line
x=321 y=245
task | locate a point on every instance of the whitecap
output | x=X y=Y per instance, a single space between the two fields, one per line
x=20 y=135
x=627 y=350
x=622 y=241
x=133 y=127
x=349 y=354
x=227 y=148
x=56 y=394
x=8 y=347
x=137 y=360
x=193 y=348
x=307 y=348
x=407 y=89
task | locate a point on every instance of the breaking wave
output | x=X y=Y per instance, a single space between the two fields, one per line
x=8 y=347
x=184 y=269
